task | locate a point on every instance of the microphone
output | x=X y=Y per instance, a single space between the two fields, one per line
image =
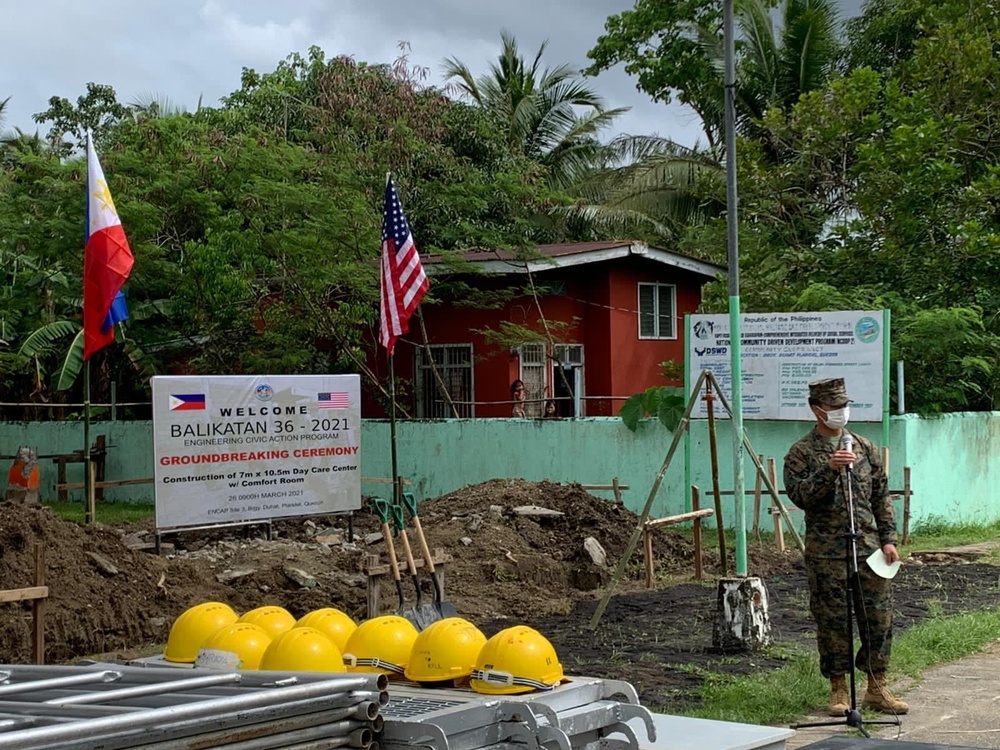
x=848 y=443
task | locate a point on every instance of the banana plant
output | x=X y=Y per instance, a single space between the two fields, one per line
x=44 y=341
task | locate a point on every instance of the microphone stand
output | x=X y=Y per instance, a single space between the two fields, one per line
x=852 y=716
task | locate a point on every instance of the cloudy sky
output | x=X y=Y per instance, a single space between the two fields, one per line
x=183 y=49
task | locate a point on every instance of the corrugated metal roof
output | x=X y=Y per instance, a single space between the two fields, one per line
x=575 y=253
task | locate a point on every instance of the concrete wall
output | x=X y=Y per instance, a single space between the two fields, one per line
x=954 y=460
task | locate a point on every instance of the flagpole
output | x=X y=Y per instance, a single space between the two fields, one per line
x=392 y=432
x=87 y=489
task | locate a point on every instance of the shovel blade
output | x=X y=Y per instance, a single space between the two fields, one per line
x=411 y=616
x=444 y=610
x=422 y=616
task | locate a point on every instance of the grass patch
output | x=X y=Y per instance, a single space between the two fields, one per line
x=107 y=513
x=798 y=689
x=936 y=532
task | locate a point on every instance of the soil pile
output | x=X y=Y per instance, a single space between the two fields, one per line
x=505 y=563
x=506 y=566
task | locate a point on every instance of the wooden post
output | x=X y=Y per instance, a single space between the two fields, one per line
x=91 y=499
x=696 y=506
x=374 y=605
x=779 y=533
x=61 y=478
x=756 y=500
x=906 y=505
x=647 y=548
x=714 y=453
x=38 y=608
x=616 y=488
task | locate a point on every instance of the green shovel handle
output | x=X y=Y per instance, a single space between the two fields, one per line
x=397 y=516
x=381 y=506
x=410 y=503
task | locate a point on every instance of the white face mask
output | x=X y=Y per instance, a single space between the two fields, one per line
x=837 y=419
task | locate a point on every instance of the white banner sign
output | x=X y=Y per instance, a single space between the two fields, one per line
x=781 y=353
x=255 y=447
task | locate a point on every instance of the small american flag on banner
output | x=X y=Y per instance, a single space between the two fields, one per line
x=403 y=280
x=336 y=400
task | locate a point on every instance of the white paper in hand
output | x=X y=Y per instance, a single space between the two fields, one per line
x=877 y=562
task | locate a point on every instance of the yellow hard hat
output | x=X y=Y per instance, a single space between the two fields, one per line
x=336 y=625
x=193 y=628
x=382 y=644
x=275 y=620
x=246 y=640
x=516 y=660
x=445 y=650
x=302 y=650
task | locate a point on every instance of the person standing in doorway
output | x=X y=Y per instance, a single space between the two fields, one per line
x=816 y=475
x=518 y=395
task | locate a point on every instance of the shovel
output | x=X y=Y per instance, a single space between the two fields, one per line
x=422 y=614
x=382 y=508
x=442 y=609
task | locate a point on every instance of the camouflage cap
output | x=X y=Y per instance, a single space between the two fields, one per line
x=830 y=392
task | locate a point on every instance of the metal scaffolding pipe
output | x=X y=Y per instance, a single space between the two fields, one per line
x=245 y=727
x=138 y=691
x=100 y=727
x=54 y=683
x=270 y=738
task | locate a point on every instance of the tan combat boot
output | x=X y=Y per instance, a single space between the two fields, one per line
x=878 y=697
x=838 y=696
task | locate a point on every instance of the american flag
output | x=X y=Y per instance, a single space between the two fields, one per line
x=403 y=280
x=336 y=400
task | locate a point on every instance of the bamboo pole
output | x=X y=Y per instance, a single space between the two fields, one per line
x=696 y=531
x=682 y=426
x=713 y=449
x=772 y=488
x=756 y=500
x=779 y=534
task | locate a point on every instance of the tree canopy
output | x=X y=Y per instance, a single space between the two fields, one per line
x=869 y=178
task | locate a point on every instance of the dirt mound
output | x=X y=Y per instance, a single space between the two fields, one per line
x=106 y=597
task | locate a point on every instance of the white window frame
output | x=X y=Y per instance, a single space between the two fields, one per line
x=657 y=334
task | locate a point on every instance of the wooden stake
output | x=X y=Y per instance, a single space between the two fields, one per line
x=779 y=534
x=38 y=608
x=91 y=492
x=756 y=500
x=647 y=547
x=906 y=505
x=695 y=507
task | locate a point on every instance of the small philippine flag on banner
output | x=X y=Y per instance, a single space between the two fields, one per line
x=187 y=402
x=337 y=400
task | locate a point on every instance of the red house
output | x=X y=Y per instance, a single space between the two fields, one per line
x=584 y=324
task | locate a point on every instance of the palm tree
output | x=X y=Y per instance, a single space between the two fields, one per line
x=538 y=109
x=649 y=181
x=775 y=65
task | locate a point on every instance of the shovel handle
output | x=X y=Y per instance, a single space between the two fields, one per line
x=397 y=513
x=382 y=508
x=411 y=505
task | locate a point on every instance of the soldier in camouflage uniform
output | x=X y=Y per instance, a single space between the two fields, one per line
x=815 y=480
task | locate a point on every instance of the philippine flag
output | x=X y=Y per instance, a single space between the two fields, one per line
x=107 y=261
x=187 y=402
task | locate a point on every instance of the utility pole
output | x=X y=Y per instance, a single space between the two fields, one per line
x=733 y=247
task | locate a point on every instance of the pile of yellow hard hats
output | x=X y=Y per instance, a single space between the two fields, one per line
x=451 y=652
x=263 y=638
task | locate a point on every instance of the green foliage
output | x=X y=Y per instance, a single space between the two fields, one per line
x=664 y=402
x=255 y=226
x=539 y=110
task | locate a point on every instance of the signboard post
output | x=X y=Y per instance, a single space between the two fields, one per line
x=247 y=448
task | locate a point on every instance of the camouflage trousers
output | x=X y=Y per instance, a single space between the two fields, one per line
x=828 y=591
